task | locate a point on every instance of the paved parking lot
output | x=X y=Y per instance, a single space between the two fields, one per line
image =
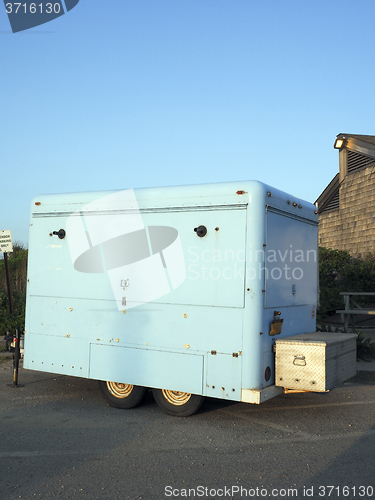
x=60 y=439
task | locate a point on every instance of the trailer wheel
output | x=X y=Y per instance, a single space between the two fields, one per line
x=124 y=396
x=179 y=404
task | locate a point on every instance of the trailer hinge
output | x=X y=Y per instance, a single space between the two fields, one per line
x=235 y=354
x=213 y=353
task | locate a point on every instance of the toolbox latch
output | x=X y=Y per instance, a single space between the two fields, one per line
x=299 y=361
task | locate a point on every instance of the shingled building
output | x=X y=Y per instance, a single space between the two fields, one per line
x=346 y=206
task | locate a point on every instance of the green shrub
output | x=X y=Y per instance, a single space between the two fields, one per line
x=18 y=277
x=9 y=323
x=339 y=272
x=365 y=348
x=331 y=265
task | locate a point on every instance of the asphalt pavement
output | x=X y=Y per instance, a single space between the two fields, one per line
x=59 y=439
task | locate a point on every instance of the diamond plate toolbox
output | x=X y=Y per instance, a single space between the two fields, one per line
x=316 y=361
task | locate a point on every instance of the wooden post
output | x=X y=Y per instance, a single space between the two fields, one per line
x=8 y=283
x=16 y=359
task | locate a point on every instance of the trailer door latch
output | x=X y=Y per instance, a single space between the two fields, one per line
x=61 y=233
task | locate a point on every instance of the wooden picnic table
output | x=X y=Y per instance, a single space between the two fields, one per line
x=352 y=308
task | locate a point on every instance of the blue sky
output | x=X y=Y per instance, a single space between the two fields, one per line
x=135 y=93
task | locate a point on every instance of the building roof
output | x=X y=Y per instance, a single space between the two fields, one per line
x=360 y=154
x=366 y=138
x=329 y=198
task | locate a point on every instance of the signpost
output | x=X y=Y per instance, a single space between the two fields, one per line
x=6 y=246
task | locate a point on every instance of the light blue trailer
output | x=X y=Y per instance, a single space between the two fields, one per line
x=179 y=289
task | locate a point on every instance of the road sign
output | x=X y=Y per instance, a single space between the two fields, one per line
x=6 y=245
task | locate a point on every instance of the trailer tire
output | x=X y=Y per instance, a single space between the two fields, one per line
x=124 y=396
x=178 y=404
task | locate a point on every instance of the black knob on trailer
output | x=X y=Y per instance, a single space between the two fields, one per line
x=201 y=231
x=61 y=233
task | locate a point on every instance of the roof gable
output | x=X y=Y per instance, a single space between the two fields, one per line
x=362 y=144
x=365 y=138
x=329 y=199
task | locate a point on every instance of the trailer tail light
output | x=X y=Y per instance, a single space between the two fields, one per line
x=267 y=373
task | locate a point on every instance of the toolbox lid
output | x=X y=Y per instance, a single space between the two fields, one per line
x=317 y=338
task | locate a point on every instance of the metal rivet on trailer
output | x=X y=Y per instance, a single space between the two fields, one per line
x=117 y=340
x=185 y=315
x=124 y=312
x=67 y=335
x=299 y=206
x=216 y=229
x=269 y=193
x=70 y=308
x=187 y=346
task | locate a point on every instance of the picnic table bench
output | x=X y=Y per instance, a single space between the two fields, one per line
x=352 y=308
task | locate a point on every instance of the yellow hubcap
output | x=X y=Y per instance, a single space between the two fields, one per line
x=176 y=398
x=119 y=390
